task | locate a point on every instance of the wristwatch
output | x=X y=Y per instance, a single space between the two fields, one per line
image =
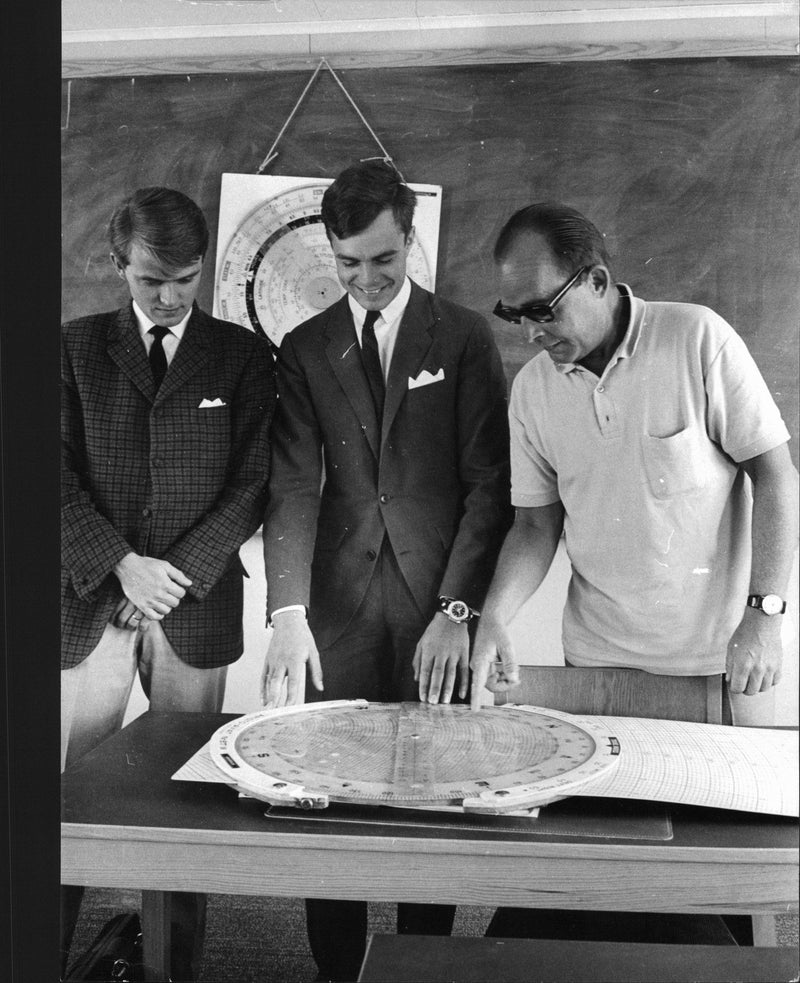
x=457 y=611
x=767 y=603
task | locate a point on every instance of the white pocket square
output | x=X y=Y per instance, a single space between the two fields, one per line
x=425 y=378
x=210 y=404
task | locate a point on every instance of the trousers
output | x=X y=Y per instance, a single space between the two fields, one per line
x=94 y=697
x=372 y=660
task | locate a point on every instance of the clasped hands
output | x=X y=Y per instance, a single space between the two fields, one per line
x=152 y=588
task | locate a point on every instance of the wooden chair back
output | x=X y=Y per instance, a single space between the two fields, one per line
x=622 y=693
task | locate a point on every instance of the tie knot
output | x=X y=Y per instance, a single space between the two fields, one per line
x=159 y=332
x=370 y=319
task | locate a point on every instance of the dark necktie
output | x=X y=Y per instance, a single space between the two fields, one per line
x=158 y=360
x=372 y=360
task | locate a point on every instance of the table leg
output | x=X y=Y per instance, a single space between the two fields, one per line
x=156 y=918
x=764 y=931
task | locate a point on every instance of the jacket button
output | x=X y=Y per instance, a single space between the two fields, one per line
x=384 y=498
x=147 y=513
x=371 y=554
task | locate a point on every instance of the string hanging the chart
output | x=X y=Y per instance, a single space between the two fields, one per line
x=323 y=63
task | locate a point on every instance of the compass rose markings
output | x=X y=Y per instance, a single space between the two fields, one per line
x=277 y=269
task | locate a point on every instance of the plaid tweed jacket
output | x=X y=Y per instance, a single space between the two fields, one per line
x=159 y=475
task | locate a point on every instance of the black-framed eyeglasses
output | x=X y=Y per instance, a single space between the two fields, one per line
x=542 y=313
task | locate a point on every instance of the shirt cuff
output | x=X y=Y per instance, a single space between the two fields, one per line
x=288 y=607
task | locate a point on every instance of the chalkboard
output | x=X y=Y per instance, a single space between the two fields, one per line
x=690 y=167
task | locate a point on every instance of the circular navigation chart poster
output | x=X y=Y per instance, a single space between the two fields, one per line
x=275 y=268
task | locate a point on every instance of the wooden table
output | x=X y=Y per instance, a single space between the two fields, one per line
x=126 y=824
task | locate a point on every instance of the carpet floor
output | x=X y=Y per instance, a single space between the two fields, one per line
x=263 y=940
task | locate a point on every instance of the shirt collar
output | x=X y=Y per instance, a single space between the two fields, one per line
x=145 y=323
x=630 y=340
x=635 y=323
x=393 y=310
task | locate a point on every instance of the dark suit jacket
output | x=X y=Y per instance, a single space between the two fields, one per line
x=436 y=481
x=158 y=475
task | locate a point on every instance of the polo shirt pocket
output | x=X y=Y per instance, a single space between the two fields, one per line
x=672 y=464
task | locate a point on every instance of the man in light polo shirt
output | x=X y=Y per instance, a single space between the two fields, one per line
x=647 y=434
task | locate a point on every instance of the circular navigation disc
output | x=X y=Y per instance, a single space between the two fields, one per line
x=278 y=269
x=495 y=760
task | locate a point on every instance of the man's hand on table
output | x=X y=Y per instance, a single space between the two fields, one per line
x=441 y=656
x=283 y=679
x=494 y=663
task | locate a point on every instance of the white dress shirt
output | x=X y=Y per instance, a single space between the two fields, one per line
x=387 y=325
x=171 y=339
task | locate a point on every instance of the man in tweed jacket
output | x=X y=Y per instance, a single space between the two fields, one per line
x=164 y=473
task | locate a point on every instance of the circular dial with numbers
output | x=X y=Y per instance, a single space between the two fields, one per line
x=412 y=755
x=278 y=269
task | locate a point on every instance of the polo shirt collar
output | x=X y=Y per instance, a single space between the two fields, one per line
x=633 y=332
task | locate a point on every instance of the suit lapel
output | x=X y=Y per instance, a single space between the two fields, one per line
x=413 y=343
x=344 y=357
x=192 y=354
x=126 y=349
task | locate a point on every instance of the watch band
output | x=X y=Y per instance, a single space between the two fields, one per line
x=457 y=611
x=769 y=604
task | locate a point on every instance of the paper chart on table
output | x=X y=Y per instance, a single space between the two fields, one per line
x=743 y=768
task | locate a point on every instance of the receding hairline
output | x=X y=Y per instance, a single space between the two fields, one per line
x=572 y=238
x=527 y=242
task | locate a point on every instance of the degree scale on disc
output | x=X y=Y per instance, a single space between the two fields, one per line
x=412 y=755
x=275 y=268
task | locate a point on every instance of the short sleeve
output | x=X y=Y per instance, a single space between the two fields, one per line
x=742 y=416
x=534 y=481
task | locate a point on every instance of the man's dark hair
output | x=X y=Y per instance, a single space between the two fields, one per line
x=573 y=240
x=170 y=226
x=359 y=195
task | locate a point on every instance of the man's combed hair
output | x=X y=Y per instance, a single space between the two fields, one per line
x=168 y=224
x=572 y=238
x=359 y=195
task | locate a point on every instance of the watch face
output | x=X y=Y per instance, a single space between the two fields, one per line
x=771 y=604
x=457 y=611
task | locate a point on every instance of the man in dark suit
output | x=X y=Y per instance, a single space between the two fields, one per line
x=389 y=496
x=165 y=420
